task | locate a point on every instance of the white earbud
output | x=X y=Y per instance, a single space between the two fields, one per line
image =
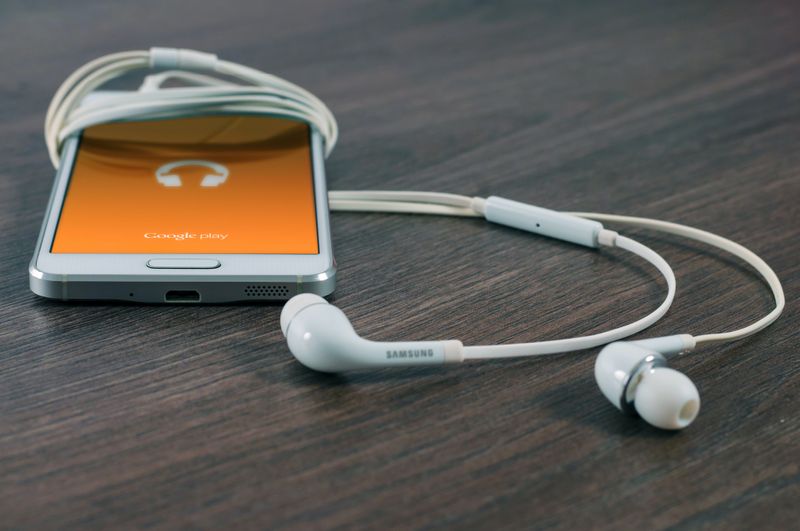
x=321 y=337
x=634 y=376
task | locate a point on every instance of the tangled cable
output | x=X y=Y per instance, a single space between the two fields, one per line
x=258 y=92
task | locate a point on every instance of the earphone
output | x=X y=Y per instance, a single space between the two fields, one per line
x=632 y=375
x=166 y=175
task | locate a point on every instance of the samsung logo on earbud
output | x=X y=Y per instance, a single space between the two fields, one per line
x=409 y=354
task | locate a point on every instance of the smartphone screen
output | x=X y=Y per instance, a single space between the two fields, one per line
x=223 y=184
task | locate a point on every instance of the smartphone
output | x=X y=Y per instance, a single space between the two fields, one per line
x=216 y=208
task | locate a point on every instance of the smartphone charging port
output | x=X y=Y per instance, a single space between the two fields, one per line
x=181 y=295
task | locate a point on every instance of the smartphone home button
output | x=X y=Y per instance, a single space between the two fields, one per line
x=183 y=263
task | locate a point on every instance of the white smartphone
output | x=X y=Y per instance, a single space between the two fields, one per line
x=216 y=208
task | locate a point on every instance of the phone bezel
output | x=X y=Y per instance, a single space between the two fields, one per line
x=234 y=267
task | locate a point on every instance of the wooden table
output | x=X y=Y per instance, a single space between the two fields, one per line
x=197 y=416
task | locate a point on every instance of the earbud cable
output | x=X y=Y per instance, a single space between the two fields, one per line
x=724 y=244
x=458 y=205
x=260 y=92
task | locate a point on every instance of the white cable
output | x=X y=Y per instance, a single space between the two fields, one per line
x=719 y=242
x=144 y=105
x=268 y=94
x=450 y=204
x=594 y=340
x=258 y=92
x=402 y=202
x=154 y=82
x=421 y=203
x=345 y=205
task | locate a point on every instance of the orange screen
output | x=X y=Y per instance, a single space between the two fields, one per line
x=210 y=184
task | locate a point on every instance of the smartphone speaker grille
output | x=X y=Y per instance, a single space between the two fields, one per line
x=266 y=291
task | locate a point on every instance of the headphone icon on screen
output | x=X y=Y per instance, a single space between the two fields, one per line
x=166 y=177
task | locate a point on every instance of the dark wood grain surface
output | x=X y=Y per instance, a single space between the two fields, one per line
x=197 y=416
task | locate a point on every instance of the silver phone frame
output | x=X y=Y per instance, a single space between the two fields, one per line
x=240 y=277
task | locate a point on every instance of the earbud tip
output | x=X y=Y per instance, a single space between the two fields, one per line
x=295 y=305
x=667 y=399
